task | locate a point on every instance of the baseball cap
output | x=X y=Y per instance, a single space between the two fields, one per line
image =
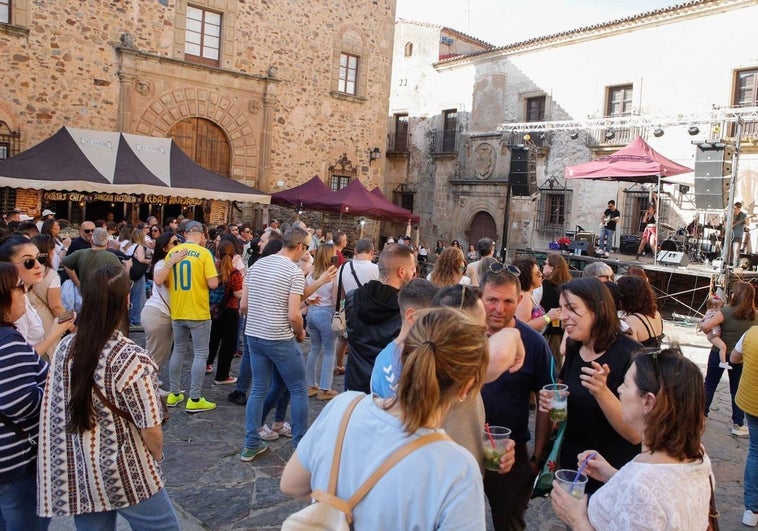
x=100 y=237
x=194 y=226
x=47 y=212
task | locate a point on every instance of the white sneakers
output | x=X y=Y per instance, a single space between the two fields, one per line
x=725 y=365
x=750 y=518
x=740 y=431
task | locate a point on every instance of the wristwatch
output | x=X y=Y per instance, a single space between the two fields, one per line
x=547 y=319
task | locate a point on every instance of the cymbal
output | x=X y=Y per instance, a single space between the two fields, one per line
x=666 y=226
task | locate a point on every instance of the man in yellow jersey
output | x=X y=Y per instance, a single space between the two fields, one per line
x=193 y=274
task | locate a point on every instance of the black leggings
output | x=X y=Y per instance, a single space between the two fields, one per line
x=223 y=341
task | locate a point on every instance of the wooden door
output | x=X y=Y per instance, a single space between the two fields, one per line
x=204 y=142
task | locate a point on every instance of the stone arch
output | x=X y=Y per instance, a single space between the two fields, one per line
x=474 y=207
x=171 y=107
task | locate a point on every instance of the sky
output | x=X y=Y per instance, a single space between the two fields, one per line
x=503 y=22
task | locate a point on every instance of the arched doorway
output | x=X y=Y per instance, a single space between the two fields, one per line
x=205 y=143
x=482 y=226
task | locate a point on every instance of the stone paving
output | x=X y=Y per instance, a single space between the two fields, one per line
x=212 y=489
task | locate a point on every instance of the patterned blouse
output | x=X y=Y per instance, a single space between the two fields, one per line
x=108 y=467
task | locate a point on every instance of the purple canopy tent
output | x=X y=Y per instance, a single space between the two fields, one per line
x=355 y=200
x=305 y=194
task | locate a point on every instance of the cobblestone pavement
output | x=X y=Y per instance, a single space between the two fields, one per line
x=212 y=489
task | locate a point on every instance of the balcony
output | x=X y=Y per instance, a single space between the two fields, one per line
x=443 y=143
x=398 y=145
x=609 y=138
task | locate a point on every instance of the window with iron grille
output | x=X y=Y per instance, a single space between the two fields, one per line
x=449 y=129
x=399 y=139
x=203 y=36
x=348 y=74
x=553 y=209
x=10 y=141
x=5 y=11
x=341 y=173
x=535 y=109
x=339 y=181
x=404 y=200
x=634 y=207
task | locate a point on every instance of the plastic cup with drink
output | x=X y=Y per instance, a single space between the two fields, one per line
x=572 y=482
x=558 y=401
x=495 y=439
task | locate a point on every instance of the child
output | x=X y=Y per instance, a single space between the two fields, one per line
x=713 y=305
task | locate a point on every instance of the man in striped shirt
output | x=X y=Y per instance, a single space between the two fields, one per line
x=272 y=295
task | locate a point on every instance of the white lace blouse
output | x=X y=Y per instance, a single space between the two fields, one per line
x=657 y=497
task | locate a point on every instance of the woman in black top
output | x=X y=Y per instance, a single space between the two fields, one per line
x=555 y=273
x=640 y=310
x=596 y=357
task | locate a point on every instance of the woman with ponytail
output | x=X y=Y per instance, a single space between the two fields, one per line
x=444 y=361
x=101 y=417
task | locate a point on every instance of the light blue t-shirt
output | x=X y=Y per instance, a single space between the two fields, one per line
x=438 y=486
x=386 y=373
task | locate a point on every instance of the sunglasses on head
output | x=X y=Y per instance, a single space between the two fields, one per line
x=155 y=229
x=511 y=269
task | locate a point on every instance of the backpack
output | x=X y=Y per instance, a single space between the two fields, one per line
x=219 y=296
x=329 y=512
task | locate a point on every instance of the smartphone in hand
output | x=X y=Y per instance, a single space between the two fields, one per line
x=334 y=261
x=66 y=316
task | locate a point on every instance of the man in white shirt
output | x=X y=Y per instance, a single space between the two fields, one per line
x=365 y=270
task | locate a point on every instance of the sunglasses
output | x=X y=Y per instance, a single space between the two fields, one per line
x=155 y=230
x=88 y=231
x=511 y=269
x=42 y=258
x=29 y=263
x=173 y=243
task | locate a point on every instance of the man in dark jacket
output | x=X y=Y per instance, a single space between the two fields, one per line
x=373 y=315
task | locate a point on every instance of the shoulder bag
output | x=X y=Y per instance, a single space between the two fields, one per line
x=339 y=324
x=332 y=513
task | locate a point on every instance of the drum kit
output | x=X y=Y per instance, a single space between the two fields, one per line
x=701 y=245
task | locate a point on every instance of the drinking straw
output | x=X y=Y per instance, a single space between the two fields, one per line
x=552 y=370
x=489 y=434
x=581 y=469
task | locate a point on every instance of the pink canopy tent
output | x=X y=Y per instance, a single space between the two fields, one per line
x=355 y=200
x=305 y=194
x=636 y=162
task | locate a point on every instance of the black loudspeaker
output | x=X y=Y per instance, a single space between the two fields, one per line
x=677 y=258
x=629 y=244
x=713 y=170
x=582 y=246
x=523 y=174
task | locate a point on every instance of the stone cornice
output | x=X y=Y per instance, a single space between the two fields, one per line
x=685 y=11
x=186 y=64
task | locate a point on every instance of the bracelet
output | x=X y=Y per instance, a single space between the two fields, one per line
x=547 y=319
x=163 y=458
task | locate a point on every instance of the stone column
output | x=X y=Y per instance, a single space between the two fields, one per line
x=124 y=114
x=269 y=101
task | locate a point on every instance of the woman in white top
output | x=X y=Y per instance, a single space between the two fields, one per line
x=156 y=315
x=320 y=310
x=668 y=485
x=21 y=252
x=45 y=297
x=438 y=486
x=52 y=228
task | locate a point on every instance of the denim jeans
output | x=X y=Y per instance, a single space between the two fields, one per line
x=712 y=378
x=18 y=505
x=751 y=465
x=322 y=345
x=200 y=331
x=285 y=356
x=137 y=298
x=605 y=233
x=245 y=376
x=154 y=514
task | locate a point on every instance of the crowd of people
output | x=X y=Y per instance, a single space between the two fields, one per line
x=471 y=346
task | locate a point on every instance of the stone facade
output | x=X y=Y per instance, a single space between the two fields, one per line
x=573 y=72
x=274 y=93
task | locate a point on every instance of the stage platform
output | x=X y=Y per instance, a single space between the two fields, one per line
x=681 y=290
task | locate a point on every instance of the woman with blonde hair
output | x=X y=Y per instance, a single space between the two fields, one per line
x=225 y=319
x=101 y=440
x=444 y=361
x=449 y=267
x=320 y=310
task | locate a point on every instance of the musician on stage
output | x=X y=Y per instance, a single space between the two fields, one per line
x=649 y=233
x=610 y=218
x=738 y=228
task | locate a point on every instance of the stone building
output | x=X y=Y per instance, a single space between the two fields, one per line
x=467 y=114
x=267 y=93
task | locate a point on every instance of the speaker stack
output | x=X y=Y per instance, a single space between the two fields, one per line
x=584 y=242
x=713 y=170
x=523 y=172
